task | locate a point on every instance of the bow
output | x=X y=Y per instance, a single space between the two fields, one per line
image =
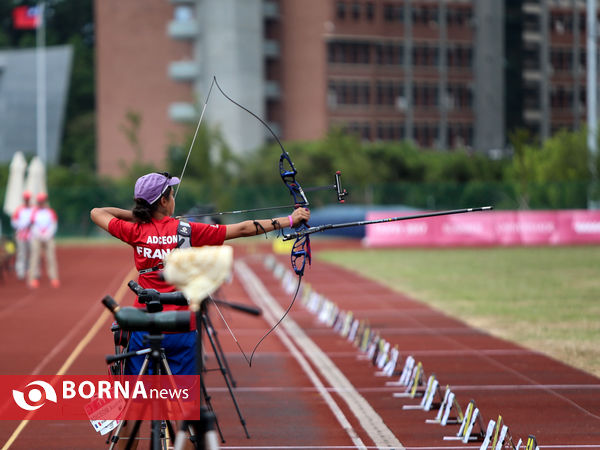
x=300 y=252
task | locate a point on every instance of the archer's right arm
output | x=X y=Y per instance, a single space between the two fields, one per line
x=103 y=216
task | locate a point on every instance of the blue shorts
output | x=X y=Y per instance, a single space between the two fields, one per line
x=179 y=348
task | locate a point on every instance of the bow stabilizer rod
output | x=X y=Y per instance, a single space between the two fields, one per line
x=317 y=229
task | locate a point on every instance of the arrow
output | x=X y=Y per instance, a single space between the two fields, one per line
x=360 y=223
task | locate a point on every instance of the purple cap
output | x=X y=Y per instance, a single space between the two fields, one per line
x=150 y=187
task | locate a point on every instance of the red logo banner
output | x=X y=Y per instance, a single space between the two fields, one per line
x=99 y=398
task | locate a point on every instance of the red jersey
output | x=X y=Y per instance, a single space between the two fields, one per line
x=152 y=241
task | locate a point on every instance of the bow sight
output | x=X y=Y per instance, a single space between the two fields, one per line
x=337 y=187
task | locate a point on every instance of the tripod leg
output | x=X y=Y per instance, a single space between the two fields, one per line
x=235 y=404
x=133 y=434
x=131 y=441
x=155 y=434
x=220 y=350
x=210 y=408
x=190 y=429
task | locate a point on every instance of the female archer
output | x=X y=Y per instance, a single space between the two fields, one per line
x=152 y=232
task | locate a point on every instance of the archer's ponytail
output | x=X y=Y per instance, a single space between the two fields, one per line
x=143 y=211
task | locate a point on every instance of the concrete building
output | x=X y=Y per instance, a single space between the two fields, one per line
x=554 y=65
x=431 y=71
x=18 y=100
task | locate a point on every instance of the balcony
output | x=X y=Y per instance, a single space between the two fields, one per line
x=183 y=29
x=272 y=90
x=271 y=48
x=270 y=10
x=183 y=70
x=182 y=112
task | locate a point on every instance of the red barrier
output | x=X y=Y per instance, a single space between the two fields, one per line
x=487 y=229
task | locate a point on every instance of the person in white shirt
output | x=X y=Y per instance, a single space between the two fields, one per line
x=43 y=228
x=21 y=222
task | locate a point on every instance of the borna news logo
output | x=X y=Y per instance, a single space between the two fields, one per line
x=36 y=396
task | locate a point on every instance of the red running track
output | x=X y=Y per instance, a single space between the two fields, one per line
x=291 y=397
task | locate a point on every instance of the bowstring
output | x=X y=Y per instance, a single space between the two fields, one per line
x=249 y=361
x=278 y=322
x=195 y=136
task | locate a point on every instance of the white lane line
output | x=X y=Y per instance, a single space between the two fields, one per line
x=442 y=353
x=490 y=387
x=525 y=387
x=336 y=447
x=364 y=413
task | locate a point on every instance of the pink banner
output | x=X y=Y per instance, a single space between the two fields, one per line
x=486 y=228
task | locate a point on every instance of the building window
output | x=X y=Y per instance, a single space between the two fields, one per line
x=425 y=15
x=348 y=52
x=425 y=96
x=340 y=10
x=459 y=56
x=532 y=22
x=426 y=135
x=458 y=17
x=459 y=96
x=348 y=93
x=425 y=55
x=532 y=57
x=460 y=135
x=356 y=10
x=390 y=93
x=389 y=53
x=561 y=98
x=532 y=97
x=561 y=59
x=393 y=12
x=370 y=10
x=390 y=131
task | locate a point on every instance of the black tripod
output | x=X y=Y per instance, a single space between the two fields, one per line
x=155 y=359
x=154 y=321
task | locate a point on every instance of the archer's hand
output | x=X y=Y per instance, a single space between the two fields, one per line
x=299 y=215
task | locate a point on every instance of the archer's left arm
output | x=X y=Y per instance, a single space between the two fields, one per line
x=255 y=227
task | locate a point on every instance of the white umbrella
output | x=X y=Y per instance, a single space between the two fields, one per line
x=14 y=187
x=36 y=177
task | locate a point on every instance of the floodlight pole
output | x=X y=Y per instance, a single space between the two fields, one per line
x=40 y=38
x=592 y=120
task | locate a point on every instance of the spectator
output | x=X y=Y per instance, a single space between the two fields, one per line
x=43 y=228
x=21 y=222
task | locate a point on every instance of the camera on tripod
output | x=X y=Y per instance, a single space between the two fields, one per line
x=153 y=319
x=155 y=300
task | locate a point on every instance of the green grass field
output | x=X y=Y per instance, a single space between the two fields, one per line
x=547 y=299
